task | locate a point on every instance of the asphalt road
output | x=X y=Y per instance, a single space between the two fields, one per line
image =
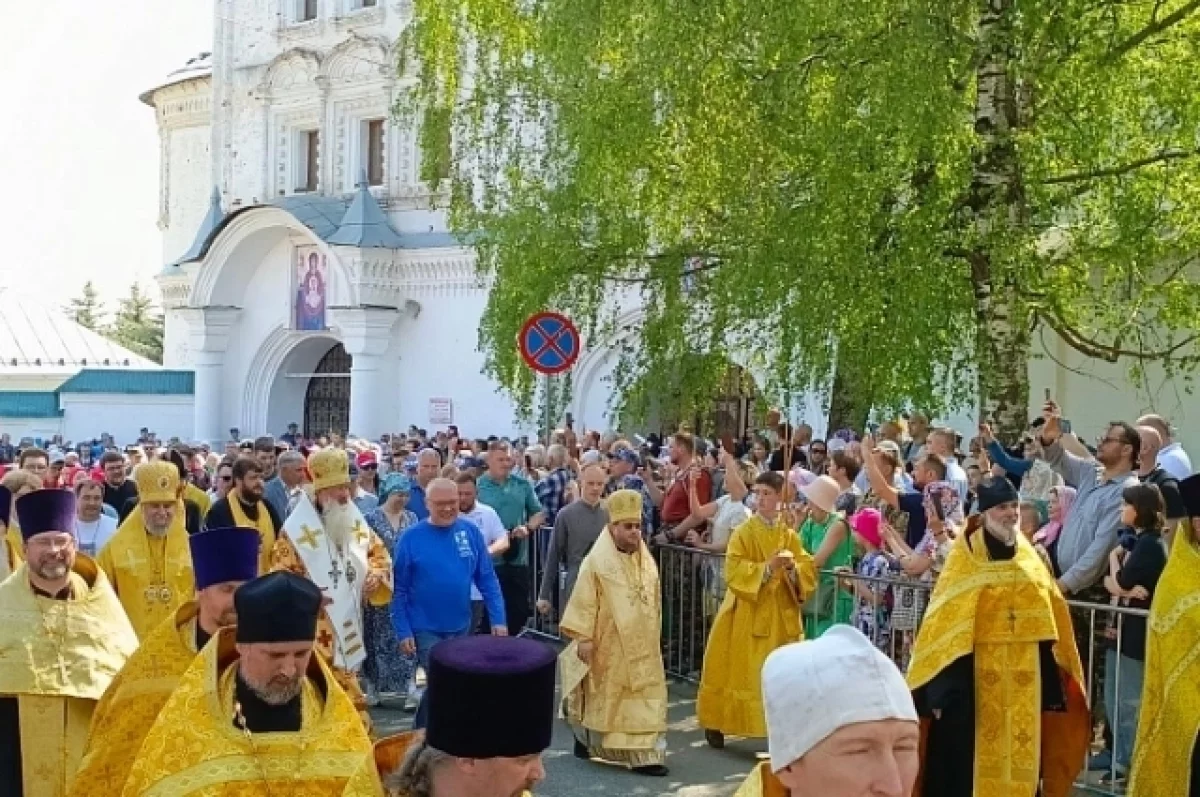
x=696 y=769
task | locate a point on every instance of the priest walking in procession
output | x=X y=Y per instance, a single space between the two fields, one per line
x=256 y=714
x=245 y=506
x=147 y=560
x=768 y=576
x=63 y=638
x=332 y=546
x=613 y=680
x=995 y=672
x=224 y=559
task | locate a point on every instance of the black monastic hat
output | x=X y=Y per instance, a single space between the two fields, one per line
x=490 y=697
x=994 y=491
x=1189 y=491
x=277 y=607
x=46 y=510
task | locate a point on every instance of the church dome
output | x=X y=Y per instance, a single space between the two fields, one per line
x=196 y=68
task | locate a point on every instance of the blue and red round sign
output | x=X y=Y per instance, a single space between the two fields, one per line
x=549 y=343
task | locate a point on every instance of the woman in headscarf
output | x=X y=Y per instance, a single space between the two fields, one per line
x=386 y=670
x=1061 y=499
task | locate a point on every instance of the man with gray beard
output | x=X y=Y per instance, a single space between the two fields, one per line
x=327 y=541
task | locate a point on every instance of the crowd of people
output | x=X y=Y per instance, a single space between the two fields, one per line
x=380 y=556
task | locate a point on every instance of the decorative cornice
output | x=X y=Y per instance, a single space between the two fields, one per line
x=365 y=330
x=210 y=328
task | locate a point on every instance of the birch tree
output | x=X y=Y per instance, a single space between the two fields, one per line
x=914 y=191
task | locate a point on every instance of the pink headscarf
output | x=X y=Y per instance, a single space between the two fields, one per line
x=1048 y=533
x=866 y=523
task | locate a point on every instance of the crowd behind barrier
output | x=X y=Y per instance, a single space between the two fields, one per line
x=693 y=588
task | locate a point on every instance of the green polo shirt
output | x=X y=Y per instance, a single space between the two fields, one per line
x=515 y=502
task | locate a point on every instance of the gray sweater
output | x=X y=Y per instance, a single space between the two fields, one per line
x=575 y=530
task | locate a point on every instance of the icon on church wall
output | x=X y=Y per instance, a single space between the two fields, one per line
x=312 y=272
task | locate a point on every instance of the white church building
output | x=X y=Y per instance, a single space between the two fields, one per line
x=310 y=279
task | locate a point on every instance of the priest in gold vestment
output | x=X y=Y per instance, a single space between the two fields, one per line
x=330 y=544
x=995 y=672
x=147 y=560
x=63 y=637
x=15 y=484
x=768 y=575
x=224 y=559
x=491 y=714
x=1166 y=755
x=613 y=680
x=256 y=714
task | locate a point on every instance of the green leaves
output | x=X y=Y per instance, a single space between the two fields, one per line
x=822 y=162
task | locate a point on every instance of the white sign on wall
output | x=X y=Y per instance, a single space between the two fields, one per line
x=441 y=411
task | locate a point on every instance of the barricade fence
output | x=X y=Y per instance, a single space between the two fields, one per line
x=888 y=610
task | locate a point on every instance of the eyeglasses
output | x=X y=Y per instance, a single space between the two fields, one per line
x=1118 y=440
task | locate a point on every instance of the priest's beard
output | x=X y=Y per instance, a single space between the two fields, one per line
x=278 y=691
x=1001 y=531
x=339 y=520
x=155 y=531
x=52 y=567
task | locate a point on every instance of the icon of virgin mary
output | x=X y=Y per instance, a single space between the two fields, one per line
x=310 y=296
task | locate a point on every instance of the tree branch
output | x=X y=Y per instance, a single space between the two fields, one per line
x=1125 y=168
x=1102 y=351
x=709 y=262
x=1155 y=27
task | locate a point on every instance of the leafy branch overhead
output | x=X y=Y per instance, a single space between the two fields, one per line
x=875 y=185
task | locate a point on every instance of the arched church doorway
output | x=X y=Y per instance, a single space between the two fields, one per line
x=327 y=399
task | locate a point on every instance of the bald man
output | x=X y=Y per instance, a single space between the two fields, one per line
x=1151 y=472
x=436 y=562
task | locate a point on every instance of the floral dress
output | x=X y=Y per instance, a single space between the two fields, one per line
x=386 y=668
x=871 y=617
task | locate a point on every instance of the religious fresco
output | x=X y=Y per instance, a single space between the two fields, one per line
x=310 y=290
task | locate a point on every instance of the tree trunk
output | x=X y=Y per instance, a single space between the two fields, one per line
x=849 y=402
x=997 y=199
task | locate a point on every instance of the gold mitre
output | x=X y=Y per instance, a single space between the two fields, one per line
x=157 y=482
x=625 y=505
x=330 y=467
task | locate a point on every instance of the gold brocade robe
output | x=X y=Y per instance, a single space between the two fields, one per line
x=622 y=695
x=266 y=529
x=758 y=615
x=194 y=749
x=379 y=563
x=1170 y=712
x=999 y=611
x=57 y=657
x=761 y=783
x=133 y=701
x=151 y=575
x=198 y=497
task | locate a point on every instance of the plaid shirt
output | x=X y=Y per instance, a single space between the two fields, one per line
x=632 y=481
x=552 y=492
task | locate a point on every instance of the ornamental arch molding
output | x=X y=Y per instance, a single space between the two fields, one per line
x=358 y=58
x=267 y=369
x=291 y=70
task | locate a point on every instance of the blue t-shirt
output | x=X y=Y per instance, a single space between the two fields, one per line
x=435 y=567
x=416 y=502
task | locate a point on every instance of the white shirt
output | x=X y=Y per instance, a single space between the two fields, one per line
x=730 y=515
x=1175 y=461
x=91 y=537
x=489 y=523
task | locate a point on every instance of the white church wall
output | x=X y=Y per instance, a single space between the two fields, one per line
x=189 y=174
x=35 y=428
x=88 y=415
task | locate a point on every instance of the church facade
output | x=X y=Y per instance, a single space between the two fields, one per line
x=311 y=278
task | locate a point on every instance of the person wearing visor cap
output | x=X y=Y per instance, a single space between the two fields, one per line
x=840 y=721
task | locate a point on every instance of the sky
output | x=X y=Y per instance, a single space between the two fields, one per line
x=78 y=150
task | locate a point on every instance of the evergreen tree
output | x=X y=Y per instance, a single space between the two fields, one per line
x=86 y=309
x=138 y=325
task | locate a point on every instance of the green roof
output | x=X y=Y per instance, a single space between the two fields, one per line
x=131 y=382
x=29 y=404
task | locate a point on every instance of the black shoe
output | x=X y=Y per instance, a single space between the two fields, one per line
x=715 y=739
x=653 y=770
x=581 y=751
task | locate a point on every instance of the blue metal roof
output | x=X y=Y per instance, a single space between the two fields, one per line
x=212 y=220
x=131 y=382
x=364 y=224
x=29 y=404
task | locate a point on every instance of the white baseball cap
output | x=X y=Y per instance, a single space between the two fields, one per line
x=812 y=689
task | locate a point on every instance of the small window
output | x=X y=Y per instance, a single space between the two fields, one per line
x=367 y=3
x=373 y=150
x=308 y=161
x=306 y=10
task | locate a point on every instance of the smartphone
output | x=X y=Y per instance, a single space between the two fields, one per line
x=939 y=510
x=1047 y=394
x=1065 y=426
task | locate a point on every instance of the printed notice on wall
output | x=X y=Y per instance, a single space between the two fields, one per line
x=441 y=411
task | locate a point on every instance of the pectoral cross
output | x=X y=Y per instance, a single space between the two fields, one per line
x=335 y=573
x=308 y=537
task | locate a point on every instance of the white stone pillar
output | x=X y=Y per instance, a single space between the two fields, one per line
x=366 y=334
x=208 y=337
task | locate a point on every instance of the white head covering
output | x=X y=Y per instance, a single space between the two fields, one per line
x=812 y=689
